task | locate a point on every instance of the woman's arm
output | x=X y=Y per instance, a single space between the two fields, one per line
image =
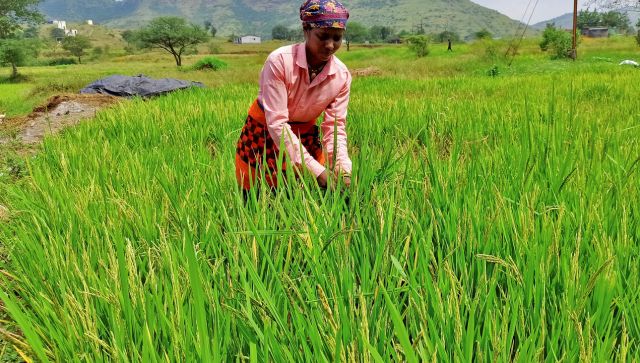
x=274 y=100
x=335 y=119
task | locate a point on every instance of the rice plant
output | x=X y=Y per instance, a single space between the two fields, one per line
x=489 y=219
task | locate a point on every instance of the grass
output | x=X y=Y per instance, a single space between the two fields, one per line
x=490 y=219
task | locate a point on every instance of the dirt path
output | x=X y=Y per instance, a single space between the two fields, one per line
x=57 y=114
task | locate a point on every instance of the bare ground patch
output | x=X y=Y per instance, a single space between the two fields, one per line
x=365 y=72
x=58 y=113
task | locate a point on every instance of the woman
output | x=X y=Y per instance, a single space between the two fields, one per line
x=297 y=84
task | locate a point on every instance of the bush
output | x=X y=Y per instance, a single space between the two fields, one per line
x=483 y=34
x=190 y=51
x=57 y=62
x=494 y=71
x=214 y=48
x=62 y=61
x=419 y=44
x=97 y=52
x=128 y=49
x=491 y=49
x=209 y=63
x=557 y=41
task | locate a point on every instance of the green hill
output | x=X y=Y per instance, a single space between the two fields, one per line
x=248 y=16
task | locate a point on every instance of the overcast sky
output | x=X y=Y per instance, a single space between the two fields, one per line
x=546 y=9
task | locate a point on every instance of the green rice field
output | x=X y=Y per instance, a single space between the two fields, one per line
x=490 y=219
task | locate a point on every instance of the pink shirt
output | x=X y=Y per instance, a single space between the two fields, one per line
x=286 y=94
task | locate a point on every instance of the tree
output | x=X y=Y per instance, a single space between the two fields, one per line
x=419 y=44
x=129 y=36
x=31 y=32
x=12 y=54
x=588 y=18
x=280 y=32
x=611 y=19
x=612 y=4
x=208 y=26
x=355 y=32
x=297 y=34
x=404 y=34
x=57 y=33
x=558 y=41
x=379 y=33
x=77 y=46
x=419 y=29
x=15 y=12
x=172 y=34
x=616 y=19
x=15 y=52
x=446 y=36
x=483 y=34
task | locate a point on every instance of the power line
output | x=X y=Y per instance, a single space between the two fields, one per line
x=520 y=24
x=525 y=31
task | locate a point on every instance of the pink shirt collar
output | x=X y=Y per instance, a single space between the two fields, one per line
x=301 y=59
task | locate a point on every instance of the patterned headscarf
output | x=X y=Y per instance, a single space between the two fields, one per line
x=324 y=14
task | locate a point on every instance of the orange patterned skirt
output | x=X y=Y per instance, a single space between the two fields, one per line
x=256 y=153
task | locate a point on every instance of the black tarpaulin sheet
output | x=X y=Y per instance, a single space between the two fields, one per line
x=126 y=86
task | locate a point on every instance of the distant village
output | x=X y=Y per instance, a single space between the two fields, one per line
x=61 y=24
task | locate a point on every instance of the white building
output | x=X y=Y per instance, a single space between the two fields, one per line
x=61 y=24
x=89 y=22
x=71 y=32
x=248 y=39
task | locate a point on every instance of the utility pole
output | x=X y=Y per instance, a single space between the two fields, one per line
x=574 y=48
x=419 y=28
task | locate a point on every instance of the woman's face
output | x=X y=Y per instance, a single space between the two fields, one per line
x=322 y=43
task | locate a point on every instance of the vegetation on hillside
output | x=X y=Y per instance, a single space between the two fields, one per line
x=241 y=17
x=493 y=214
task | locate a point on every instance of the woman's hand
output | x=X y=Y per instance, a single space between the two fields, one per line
x=346 y=180
x=323 y=179
x=324 y=182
